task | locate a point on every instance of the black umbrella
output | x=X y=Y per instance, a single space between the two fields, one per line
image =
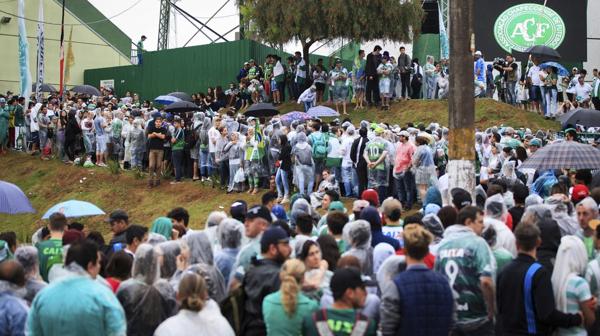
x=585 y=117
x=182 y=106
x=181 y=95
x=261 y=110
x=86 y=89
x=44 y=88
x=544 y=52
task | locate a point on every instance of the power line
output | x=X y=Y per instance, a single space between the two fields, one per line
x=72 y=24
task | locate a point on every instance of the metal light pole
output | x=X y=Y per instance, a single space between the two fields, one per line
x=461 y=103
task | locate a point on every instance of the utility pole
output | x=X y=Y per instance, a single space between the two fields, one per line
x=461 y=102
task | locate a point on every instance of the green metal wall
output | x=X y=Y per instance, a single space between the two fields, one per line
x=191 y=69
x=426 y=44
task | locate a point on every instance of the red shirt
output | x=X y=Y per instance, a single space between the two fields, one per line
x=114 y=284
x=429 y=259
x=404 y=154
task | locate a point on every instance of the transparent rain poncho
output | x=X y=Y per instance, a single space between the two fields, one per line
x=146 y=299
x=169 y=251
x=357 y=236
x=560 y=212
x=389 y=268
x=27 y=256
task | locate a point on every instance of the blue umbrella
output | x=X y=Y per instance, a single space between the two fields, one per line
x=166 y=100
x=74 y=208
x=13 y=200
x=288 y=118
x=561 y=71
x=322 y=111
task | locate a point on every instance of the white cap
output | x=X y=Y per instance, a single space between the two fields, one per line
x=478 y=53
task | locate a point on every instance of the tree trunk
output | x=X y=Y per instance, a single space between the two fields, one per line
x=461 y=104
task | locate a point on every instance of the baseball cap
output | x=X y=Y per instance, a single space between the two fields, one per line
x=238 y=210
x=337 y=206
x=345 y=278
x=579 y=192
x=404 y=134
x=259 y=211
x=273 y=235
x=461 y=198
x=371 y=196
x=478 y=53
x=279 y=212
x=118 y=215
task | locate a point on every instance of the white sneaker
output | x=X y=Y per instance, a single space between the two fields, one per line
x=285 y=200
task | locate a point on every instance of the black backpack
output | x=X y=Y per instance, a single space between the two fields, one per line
x=233 y=309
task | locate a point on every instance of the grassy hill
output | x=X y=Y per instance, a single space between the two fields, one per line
x=49 y=182
x=488 y=113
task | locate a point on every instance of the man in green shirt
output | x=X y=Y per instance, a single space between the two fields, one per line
x=342 y=319
x=50 y=252
x=467 y=261
x=140 y=49
x=587 y=210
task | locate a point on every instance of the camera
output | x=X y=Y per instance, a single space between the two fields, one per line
x=499 y=63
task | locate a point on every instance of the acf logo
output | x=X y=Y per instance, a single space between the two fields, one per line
x=523 y=26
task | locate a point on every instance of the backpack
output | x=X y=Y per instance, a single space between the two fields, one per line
x=319 y=147
x=233 y=309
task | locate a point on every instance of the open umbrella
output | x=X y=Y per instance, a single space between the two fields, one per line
x=561 y=70
x=182 y=106
x=44 y=88
x=543 y=51
x=86 y=89
x=166 y=100
x=322 y=111
x=290 y=117
x=585 y=117
x=564 y=155
x=181 y=95
x=13 y=200
x=74 y=208
x=261 y=110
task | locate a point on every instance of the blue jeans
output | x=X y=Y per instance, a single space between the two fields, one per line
x=205 y=164
x=307 y=106
x=178 y=163
x=511 y=93
x=304 y=175
x=406 y=189
x=281 y=181
x=348 y=180
x=140 y=58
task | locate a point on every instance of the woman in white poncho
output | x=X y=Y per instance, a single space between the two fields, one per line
x=571 y=291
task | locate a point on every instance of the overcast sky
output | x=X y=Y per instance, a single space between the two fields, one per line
x=142 y=19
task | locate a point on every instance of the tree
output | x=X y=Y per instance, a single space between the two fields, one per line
x=309 y=21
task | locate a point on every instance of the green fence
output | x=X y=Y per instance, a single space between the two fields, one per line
x=191 y=69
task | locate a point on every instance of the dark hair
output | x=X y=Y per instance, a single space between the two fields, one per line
x=82 y=252
x=377 y=47
x=584 y=175
x=336 y=221
x=330 y=251
x=180 y=214
x=119 y=265
x=520 y=193
x=521 y=153
x=324 y=128
x=494 y=189
x=360 y=51
x=333 y=195
x=12 y=271
x=10 y=237
x=268 y=197
x=135 y=231
x=448 y=215
x=595 y=194
x=304 y=223
x=468 y=212
x=416 y=218
x=96 y=237
x=284 y=225
x=58 y=222
x=527 y=236
x=306 y=248
x=76 y=226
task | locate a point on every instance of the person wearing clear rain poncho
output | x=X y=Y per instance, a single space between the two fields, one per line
x=357 y=235
x=304 y=168
x=201 y=261
x=541 y=216
x=146 y=299
x=495 y=217
x=230 y=232
x=571 y=291
x=375 y=155
x=27 y=256
x=562 y=209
